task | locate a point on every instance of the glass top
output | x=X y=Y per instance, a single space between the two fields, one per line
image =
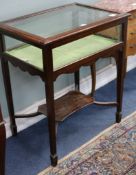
x=59 y=20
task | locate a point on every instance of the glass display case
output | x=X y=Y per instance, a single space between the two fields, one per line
x=59 y=41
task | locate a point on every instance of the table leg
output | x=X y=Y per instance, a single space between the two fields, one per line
x=51 y=120
x=2 y=146
x=77 y=80
x=8 y=91
x=49 y=91
x=120 y=62
x=93 y=73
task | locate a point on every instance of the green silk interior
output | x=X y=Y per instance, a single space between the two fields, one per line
x=63 y=55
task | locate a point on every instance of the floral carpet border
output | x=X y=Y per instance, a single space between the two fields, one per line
x=112 y=152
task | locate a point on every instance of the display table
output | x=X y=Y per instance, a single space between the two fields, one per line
x=60 y=41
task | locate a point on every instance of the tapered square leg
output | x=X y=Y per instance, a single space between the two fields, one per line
x=118 y=117
x=49 y=91
x=7 y=85
x=77 y=80
x=2 y=145
x=93 y=73
x=9 y=98
x=54 y=160
x=120 y=63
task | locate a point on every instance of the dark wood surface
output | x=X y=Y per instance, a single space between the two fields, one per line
x=68 y=104
x=2 y=145
x=118 y=51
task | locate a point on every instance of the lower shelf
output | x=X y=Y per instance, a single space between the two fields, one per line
x=68 y=104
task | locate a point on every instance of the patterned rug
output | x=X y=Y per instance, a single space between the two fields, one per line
x=113 y=152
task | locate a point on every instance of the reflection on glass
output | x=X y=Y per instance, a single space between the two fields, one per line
x=61 y=20
x=113 y=33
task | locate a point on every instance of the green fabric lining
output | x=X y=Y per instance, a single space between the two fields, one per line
x=63 y=55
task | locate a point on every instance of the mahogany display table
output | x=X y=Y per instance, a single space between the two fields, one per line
x=60 y=41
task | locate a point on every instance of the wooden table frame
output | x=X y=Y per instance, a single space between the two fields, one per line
x=118 y=51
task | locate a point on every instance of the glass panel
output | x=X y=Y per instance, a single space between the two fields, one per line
x=12 y=43
x=113 y=33
x=79 y=49
x=60 y=20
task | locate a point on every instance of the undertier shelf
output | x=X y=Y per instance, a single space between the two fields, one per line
x=68 y=104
